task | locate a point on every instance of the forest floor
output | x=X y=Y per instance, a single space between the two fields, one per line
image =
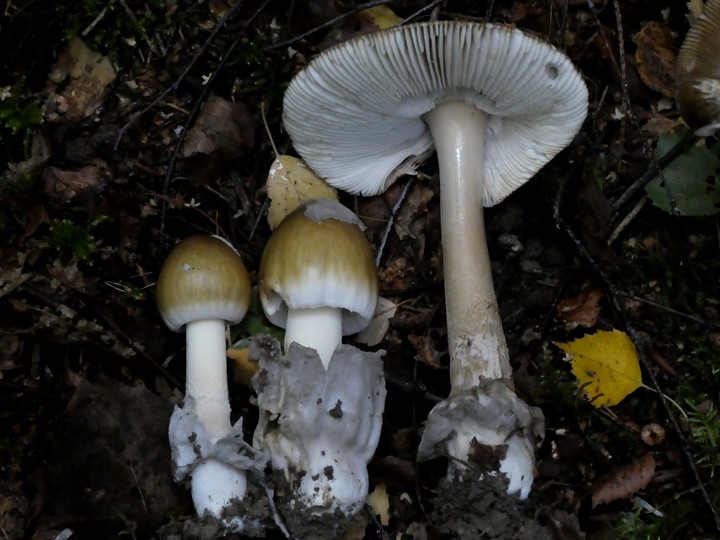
x=128 y=125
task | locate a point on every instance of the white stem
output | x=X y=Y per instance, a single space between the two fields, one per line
x=206 y=375
x=318 y=328
x=475 y=336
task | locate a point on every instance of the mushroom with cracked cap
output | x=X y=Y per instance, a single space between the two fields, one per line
x=496 y=104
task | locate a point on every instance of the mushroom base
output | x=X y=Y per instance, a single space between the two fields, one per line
x=489 y=432
x=320 y=428
x=217 y=468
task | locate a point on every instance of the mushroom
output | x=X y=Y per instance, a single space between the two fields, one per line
x=317 y=276
x=697 y=72
x=320 y=404
x=203 y=285
x=496 y=104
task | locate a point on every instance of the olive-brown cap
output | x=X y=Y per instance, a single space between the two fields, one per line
x=203 y=278
x=319 y=257
x=697 y=72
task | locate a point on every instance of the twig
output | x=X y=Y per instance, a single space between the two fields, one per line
x=97 y=19
x=176 y=83
x=620 y=71
x=657 y=305
x=327 y=24
x=199 y=103
x=429 y=7
x=627 y=220
x=390 y=222
x=657 y=165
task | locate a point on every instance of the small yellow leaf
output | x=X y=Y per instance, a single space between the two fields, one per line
x=382 y=16
x=695 y=8
x=241 y=366
x=606 y=365
x=289 y=184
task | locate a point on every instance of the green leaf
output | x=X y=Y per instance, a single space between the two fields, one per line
x=692 y=178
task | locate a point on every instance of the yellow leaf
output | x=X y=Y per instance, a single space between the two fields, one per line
x=382 y=16
x=695 y=8
x=289 y=184
x=606 y=365
x=242 y=367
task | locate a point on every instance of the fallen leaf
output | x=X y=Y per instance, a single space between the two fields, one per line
x=655 y=57
x=380 y=503
x=692 y=178
x=241 y=366
x=378 y=327
x=427 y=352
x=624 y=481
x=606 y=365
x=223 y=127
x=289 y=184
x=580 y=310
x=695 y=8
x=378 y=18
x=64 y=186
x=86 y=74
x=414 y=206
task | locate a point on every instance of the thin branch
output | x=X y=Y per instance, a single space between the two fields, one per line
x=199 y=102
x=656 y=167
x=123 y=130
x=620 y=72
x=328 y=24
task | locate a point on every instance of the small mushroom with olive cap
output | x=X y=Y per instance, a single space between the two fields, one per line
x=203 y=286
x=496 y=104
x=321 y=402
x=697 y=72
x=317 y=276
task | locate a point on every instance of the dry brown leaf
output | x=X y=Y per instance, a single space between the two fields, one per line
x=223 y=127
x=64 y=186
x=87 y=74
x=580 y=310
x=427 y=352
x=414 y=206
x=624 y=481
x=655 y=57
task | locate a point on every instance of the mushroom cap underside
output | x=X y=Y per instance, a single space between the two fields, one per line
x=355 y=112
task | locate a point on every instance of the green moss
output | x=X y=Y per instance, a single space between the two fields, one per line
x=66 y=236
x=19 y=114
